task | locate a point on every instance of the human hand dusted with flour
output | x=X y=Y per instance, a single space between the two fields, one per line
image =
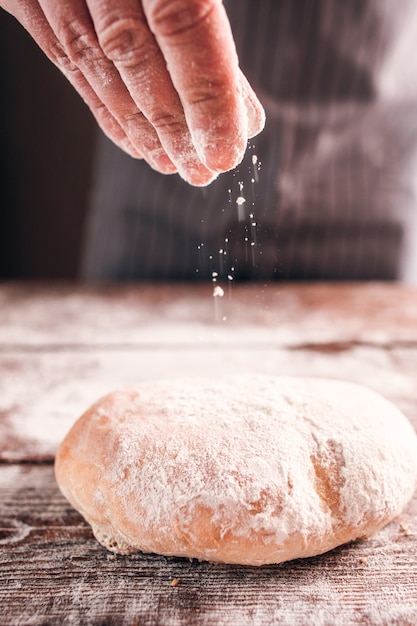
x=160 y=76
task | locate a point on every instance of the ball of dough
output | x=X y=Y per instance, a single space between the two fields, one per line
x=249 y=469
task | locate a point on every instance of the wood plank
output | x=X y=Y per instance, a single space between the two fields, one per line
x=42 y=394
x=53 y=571
x=62 y=347
x=33 y=316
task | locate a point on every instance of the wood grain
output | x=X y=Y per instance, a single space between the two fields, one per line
x=48 y=556
x=61 y=347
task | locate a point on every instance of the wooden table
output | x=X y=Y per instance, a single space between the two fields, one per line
x=63 y=346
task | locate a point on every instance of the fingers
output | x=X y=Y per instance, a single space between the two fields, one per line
x=78 y=47
x=125 y=39
x=160 y=76
x=209 y=85
x=254 y=109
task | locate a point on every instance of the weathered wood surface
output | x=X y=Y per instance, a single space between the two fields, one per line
x=61 y=347
x=54 y=572
x=280 y=314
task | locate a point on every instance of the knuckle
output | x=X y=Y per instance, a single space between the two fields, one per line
x=60 y=58
x=173 y=17
x=137 y=121
x=158 y=120
x=123 y=40
x=78 y=42
x=206 y=93
x=166 y=122
x=106 y=120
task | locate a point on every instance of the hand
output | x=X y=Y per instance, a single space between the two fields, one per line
x=160 y=76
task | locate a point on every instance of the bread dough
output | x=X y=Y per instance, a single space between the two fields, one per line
x=248 y=469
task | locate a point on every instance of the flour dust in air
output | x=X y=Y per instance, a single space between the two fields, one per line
x=237 y=251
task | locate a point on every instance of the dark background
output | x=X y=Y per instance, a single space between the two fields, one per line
x=47 y=139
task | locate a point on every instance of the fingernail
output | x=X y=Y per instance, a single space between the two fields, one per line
x=256 y=118
x=254 y=109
